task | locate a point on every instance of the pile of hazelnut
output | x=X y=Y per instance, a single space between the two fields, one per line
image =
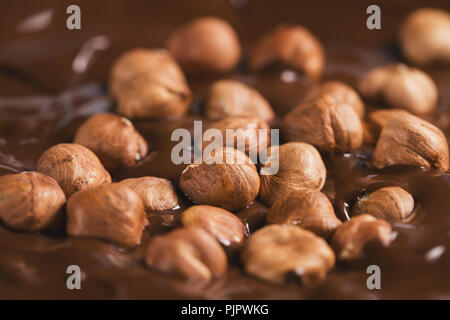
x=303 y=236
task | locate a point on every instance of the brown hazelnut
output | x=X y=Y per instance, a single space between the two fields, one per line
x=274 y=252
x=29 y=201
x=307 y=208
x=341 y=92
x=149 y=84
x=326 y=124
x=112 y=212
x=190 y=252
x=73 y=166
x=227 y=228
x=376 y=120
x=300 y=166
x=113 y=139
x=232 y=98
x=207 y=44
x=409 y=140
x=354 y=235
x=293 y=46
x=157 y=193
x=389 y=203
x=400 y=86
x=424 y=36
x=246 y=133
x=225 y=179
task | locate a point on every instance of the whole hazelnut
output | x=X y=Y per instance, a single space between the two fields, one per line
x=228 y=98
x=341 y=92
x=307 y=208
x=204 y=45
x=400 y=86
x=149 y=84
x=354 y=235
x=389 y=203
x=293 y=46
x=224 y=179
x=376 y=120
x=274 y=252
x=112 y=212
x=409 y=140
x=424 y=36
x=73 y=166
x=113 y=139
x=157 y=193
x=191 y=253
x=300 y=166
x=227 y=228
x=29 y=201
x=328 y=125
x=246 y=133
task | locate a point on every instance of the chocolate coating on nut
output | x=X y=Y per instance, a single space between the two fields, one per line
x=190 y=252
x=307 y=208
x=112 y=212
x=73 y=166
x=29 y=201
x=275 y=251
x=113 y=139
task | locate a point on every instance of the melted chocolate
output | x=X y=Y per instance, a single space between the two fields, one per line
x=51 y=79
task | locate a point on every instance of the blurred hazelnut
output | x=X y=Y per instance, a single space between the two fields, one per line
x=204 y=45
x=425 y=36
x=29 y=201
x=274 y=252
x=326 y=124
x=149 y=84
x=188 y=252
x=376 y=120
x=341 y=92
x=227 y=228
x=73 y=166
x=226 y=179
x=293 y=46
x=299 y=166
x=409 y=140
x=389 y=203
x=112 y=212
x=307 y=208
x=157 y=193
x=354 y=235
x=113 y=139
x=232 y=98
x=400 y=86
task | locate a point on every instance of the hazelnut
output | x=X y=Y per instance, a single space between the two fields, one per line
x=293 y=46
x=225 y=179
x=221 y=224
x=424 y=36
x=232 y=98
x=149 y=84
x=307 y=208
x=376 y=120
x=409 y=140
x=246 y=133
x=354 y=235
x=207 y=44
x=400 y=86
x=326 y=124
x=113 y=139
x=73 y=166
x=29 y=201
x=274 y=252
x=157 y=193
x=341 y=92
x=112 y=212
x=389 y=203
x=299 y=166
x=190 y=252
